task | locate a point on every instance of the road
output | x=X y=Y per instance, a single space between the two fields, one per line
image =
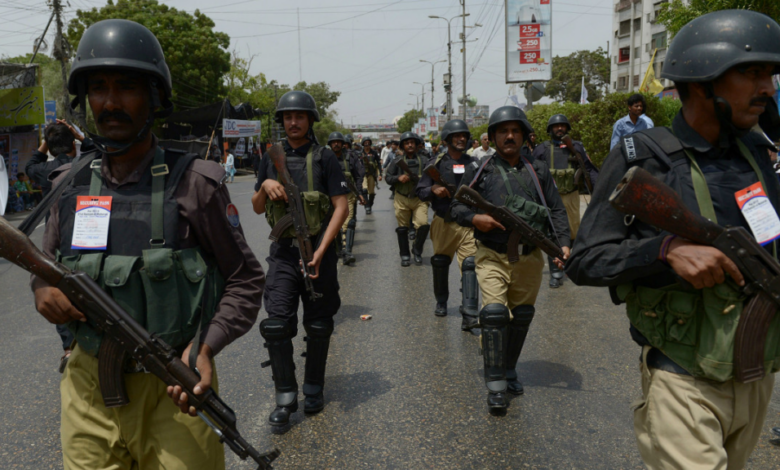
x=404 y=389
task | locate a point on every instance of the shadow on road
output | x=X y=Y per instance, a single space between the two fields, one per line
x=549 y=375
x=352 y=390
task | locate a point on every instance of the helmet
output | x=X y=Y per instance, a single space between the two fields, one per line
x=456 y=126
x=336 y=136
x=408 y=135
x=711 y=44
x=558 y=119
x=297 y=100
x=509 y=113
x=348 y=138
x=366 y=139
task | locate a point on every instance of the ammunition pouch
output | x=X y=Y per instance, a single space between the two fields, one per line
x=564 y=180
x=534 y=214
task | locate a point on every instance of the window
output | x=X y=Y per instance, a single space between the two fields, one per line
x=658 y=41
x=614 y=59
x=624 y=54
x=636 y=52
x=625 y=28
x=636 y=80
x=622 y=83
x=614 y=85
x=638 y=24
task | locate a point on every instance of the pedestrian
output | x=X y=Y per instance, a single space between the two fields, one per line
x=635 y=121
x=317 y=170
x=371 y=164
x=406 y=203
x=484 y=149
x=684 y=300
x=447 y=236
x=395 y=153
x=353 y=174
x=24 y=190
x=473 y=146
x=385 y=150
x=169 y=241
x=527 y=189
x=255 y=159
x=230 y=166
x=59 y=139
x=559 y=159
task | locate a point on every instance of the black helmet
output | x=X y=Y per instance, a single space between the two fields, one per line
x=408 y=135
x=366 y=139
x=456 y=126
x=336 y=136
x=558 y=119
x=711 y=44
x=509 y=113
x=348 y=138
x=297 y=100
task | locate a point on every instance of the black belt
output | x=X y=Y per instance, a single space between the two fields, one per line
x=293 y=242
x=658 y=360
x=501 y=248
x=447 y=217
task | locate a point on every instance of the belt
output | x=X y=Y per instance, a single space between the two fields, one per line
x=293 y=242
x=523 y=250
x=447 y=217
x=658 y=360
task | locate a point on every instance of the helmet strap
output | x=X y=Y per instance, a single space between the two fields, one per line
x=723 y=112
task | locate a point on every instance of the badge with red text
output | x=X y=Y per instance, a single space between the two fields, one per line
x=759 y=213
x=232 y=215
x=458 y=169
x=90 y=226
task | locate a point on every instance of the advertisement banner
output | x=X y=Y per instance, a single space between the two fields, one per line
x=240 y=147
x=528 y=40
x=51 y=111
x=238 y=128
x=22 y=106
x=433 y=119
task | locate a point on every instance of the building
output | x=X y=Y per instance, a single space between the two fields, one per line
x=636 y=35
x=475 y=115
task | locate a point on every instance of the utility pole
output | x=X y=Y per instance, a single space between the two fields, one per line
x=300 y=62
x=433 y=65
x=62 y=50
x=422 y=85
x=463 y=37
x=448 y=79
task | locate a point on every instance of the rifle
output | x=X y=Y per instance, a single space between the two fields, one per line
x=650 y=200
x=295 y=217
x=519 y=227
x=433 y=172
x=123 y=337
x=401 y=163
x=366 y=163
x=582 y=173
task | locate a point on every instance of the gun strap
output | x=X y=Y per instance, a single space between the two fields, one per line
x=195 y=349
x=538 y=185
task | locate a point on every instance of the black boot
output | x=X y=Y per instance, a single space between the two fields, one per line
x=518 y=330
x=419 y=242
x=556 y=274
x=318 y=334
x=370 y=204
x=494 y=319
x=340 y=244
x=469 y=289
x=403 y=245
x=441 y=289
x=278 y=335
x=349 y=241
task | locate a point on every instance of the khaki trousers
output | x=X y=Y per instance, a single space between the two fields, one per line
x=369 y=184
x=571 y=202
x=351 y=200
x=510 y=284
x=686 y=423
x=449 y=239
x=149 y=433
x=406 y=207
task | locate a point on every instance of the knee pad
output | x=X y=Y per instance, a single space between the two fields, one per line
x=402 y=230
x=274 y=329
x=494 y=316
x=523 y=314
x=469 y=264
x=440 y=261
x=319 y=328
x=352 y=224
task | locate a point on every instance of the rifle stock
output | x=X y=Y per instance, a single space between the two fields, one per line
x=433 y=172
x=401 y=162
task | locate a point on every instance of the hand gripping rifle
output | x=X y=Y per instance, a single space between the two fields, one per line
x=401 y=163
x=582 y=173
x=123 y=337
x=295 y=218
x=519 y=227
x=433 y=172
x=648 y=199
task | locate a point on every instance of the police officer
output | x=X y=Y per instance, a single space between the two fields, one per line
x=447 y=236
x=508 y=179
x=173 y=235
x=372 y=164
x=559 y=158
x=693 y=413
x=406 y=203
x=353 y=172
x=318 y=171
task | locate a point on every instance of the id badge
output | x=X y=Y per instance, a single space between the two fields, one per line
x=90 y=227
x=458 y=169
x=759 y=213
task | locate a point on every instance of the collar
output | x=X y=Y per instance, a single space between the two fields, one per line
x=692 y=139
x=300 y=151
x=135 y=176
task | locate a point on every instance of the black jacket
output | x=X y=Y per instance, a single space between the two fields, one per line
x=39 y=169
x=445 y=166
x=542 y=152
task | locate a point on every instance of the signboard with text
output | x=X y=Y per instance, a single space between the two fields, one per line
x=238 y=128
x=528 y=40
x=22 y=106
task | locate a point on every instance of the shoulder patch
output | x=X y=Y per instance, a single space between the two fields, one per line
x=231 y=211
x=208 y=169
x=629 y=148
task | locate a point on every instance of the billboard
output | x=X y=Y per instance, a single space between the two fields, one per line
x=22 y=106
x=238 y=128
x=528 y=40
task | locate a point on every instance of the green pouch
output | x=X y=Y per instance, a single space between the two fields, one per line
x=646 y=312
x=564 y=180
x=533 y=213
x=274 y=211
x=122 y=280
x=722 y=307
x=159 y=282
x=87 y=335
x=316 y=207
x=681 y=319
x=192 y=273
x=90 y=263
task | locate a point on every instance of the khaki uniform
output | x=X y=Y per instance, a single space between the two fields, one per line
x=406 y=207
x=450 y=239
x=351 y=201
x=369 y=184
x=506 y=283
x=572 y=203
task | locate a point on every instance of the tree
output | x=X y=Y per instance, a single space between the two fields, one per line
x=322 y=94
x=196 y=54
x=567 y=73
x=409 y=119
x=51 y=78
x=676 y=14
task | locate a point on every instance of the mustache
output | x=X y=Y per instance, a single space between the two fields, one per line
x=120 y=116
x=762 y=100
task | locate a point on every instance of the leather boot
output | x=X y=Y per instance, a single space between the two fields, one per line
x=441 y=290
x=494 y=319
x=278 y=335
x=370 y=204
x=349 y=241
x=556 y=274
x=419 y=242
x=522 y=315
x=469 y=289
x=317 y=339
x=403 y=245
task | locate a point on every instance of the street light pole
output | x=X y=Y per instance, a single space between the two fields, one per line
x=422 y=85
x=433 y=65
x=416 y=97
x=463 y=37
x=449 y=58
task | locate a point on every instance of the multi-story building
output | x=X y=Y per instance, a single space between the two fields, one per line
x=636 y=35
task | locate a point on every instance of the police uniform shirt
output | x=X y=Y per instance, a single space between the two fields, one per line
x=609 y=253
x=491 y=186
x=356 y=167
x=203 y=202
x=445 y=166
x=394 y=171
x=562 y=154
x=371 y=155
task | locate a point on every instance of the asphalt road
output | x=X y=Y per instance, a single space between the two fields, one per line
x=403 y=390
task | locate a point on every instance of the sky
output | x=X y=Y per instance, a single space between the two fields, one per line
x=369 y=50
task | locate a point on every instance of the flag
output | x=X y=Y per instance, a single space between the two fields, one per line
x=651 y=84
x=583 y=92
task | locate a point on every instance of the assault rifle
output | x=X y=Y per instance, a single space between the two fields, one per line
x=124 y=338
x=433 y=172
x=519 y=227
x=295 y=217
x=366 y=162
x=648 y=199
x=582 y=173
x=401 y=163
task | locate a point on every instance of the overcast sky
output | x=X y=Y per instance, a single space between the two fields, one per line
x=368 y=50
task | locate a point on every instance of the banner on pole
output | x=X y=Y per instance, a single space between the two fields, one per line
x=22 y=106
x=238 y=128
x=528 y=40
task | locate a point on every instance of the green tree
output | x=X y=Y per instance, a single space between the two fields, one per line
x=51 y=79
x=196 y=54
x=567 y=73
x=409 y=119
x=676 y=14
